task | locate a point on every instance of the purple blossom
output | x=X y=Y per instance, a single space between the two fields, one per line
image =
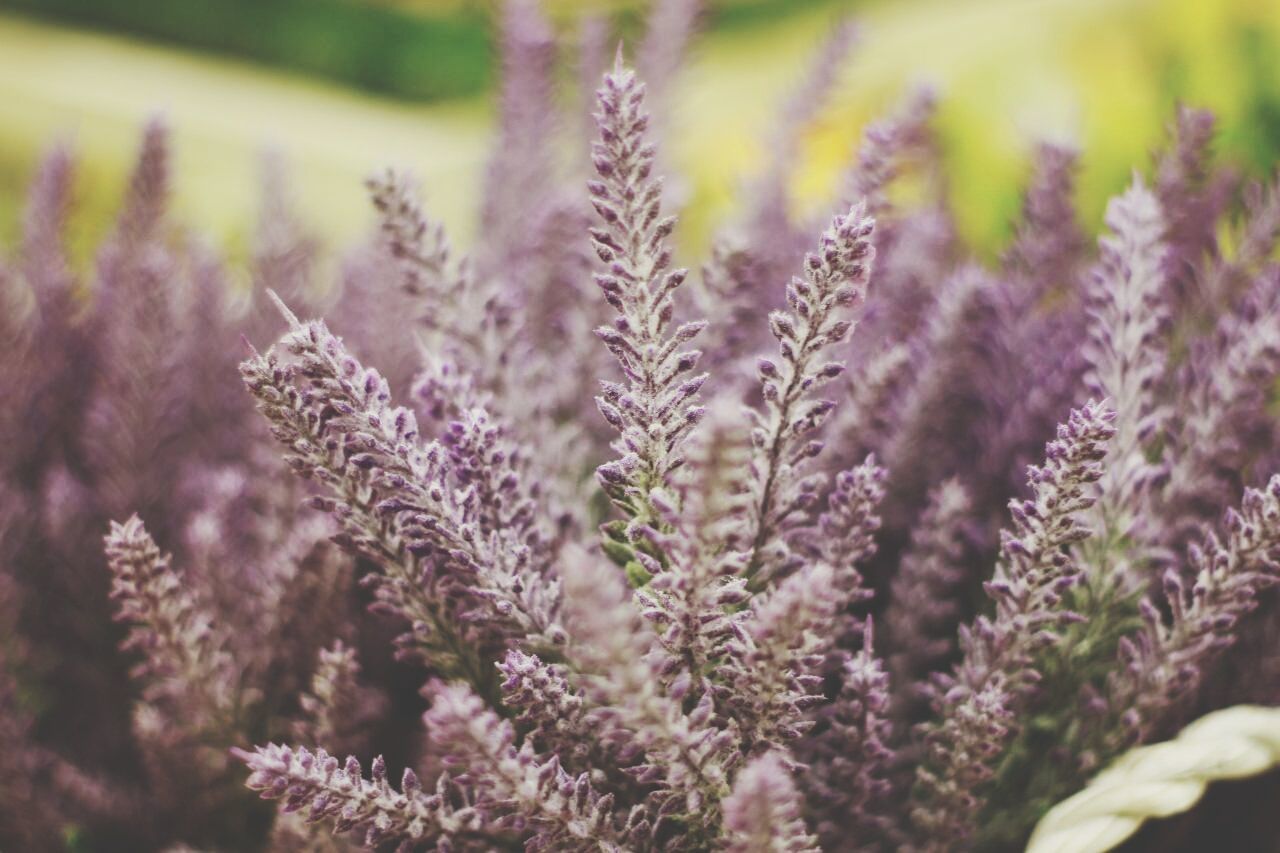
x=454 y=558
x=773 y=665
x=337 y=793
x=521 y=171
x=691 y=596
x=764 y=812
x=926 y=601
x=1049 y=244
x=655 y=410
x=849 y=759
x=1164 y=663
x=819 y=317
x=1126 y=356
x=977 y=705
x=685 y=755
x=884 y=145
x=565 y=811
x=191 y=681
x=702 y=674
x=1190 y=193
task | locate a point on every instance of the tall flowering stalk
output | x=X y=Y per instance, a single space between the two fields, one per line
x=685 y=756
x=924 y=610
x=1126 y=356
x=819 y=317
x=1049 y=242
x=520 y=171
x=1192 y=194
x=567 y=813
x=1222 y=411
x=977 y=705
x=850 y=756
x=456 y=554
x=191 y=677
x=655 y=410
x=1164 y=663
x=774 y=666
x=763 y=811
x=692 y=598
x=338 y=793
x=883 y=147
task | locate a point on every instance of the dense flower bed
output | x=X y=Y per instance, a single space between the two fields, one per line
x=883 y=549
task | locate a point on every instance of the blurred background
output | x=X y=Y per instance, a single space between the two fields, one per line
x=342 y=87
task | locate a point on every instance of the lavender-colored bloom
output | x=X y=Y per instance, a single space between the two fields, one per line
x=338 y=793
x=478 y=351
x=884 y=144
x=914 y=257
x=331 y=704
x=844 y=538
x=471 y=330
x=1262 y=226
x=1035 y=371
x=849 y=523
x=1190 y=194
x=773 y=666
x=190 y=679
x=655 y=410
x=38 y=333
x=1126 y=356
x=135 y=403
x=924 y=447
x=1166 y=662
x=1222 y=413
x=1222 y=278
x=847 y=781
x=558 y=719
x=419 y=246
x=1032 y=364
x=450 y=564
x=685 y=755
x=520 y=173
x=691 y=593
x=977 y=705
x=565 y=811
x=1048 y=244
x=926 y=601
x=763 y=813
x=297 y=422
x=871 y=406
x=466 y=322
x=818 y=318
x=329 y=712
x=147 y=197
x=730 y=697
x=44 y=265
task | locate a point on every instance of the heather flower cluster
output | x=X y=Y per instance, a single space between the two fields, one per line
x=846 y=542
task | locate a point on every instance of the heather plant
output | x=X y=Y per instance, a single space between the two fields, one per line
x=850 y=542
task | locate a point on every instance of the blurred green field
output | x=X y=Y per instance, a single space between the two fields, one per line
x=1104 y=74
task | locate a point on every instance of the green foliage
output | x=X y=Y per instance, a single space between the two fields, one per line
x=380 y=50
